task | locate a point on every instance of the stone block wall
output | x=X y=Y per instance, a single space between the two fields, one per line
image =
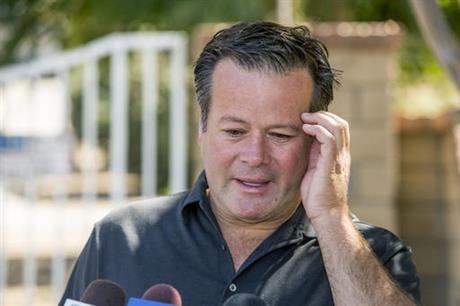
x=429 y=203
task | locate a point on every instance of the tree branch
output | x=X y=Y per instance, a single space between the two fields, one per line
x=439 y=36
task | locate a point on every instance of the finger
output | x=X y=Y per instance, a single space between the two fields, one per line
x=333 y=123
x=315 y=151
x=344 y=124
x=324 y=137
x=336 y=125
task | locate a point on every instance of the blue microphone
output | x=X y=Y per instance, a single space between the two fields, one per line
x=142 y=302
x=158 y=295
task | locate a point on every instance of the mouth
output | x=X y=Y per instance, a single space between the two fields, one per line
x=253 y=185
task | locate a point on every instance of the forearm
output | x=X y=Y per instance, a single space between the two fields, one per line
x=356 y=276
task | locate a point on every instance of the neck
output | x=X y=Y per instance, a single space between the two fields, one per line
x=262 y=227
x=242 y=227
x=243 y=236
x=242 y=241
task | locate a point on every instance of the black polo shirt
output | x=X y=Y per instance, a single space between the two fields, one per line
x=176 y=240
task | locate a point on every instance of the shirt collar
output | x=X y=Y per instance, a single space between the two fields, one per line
x=198 y=191
x=301 y=223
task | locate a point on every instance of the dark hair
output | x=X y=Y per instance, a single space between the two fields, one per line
x=267 y=47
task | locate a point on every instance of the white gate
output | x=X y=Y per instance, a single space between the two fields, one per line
x=46 y=209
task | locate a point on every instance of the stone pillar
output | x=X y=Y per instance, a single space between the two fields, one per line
x=367 y=55
x=429 y=203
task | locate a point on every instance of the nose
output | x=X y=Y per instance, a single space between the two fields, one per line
x=255 y=151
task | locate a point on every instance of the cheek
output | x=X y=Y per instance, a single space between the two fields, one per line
x=293 y=160
x=218 y=153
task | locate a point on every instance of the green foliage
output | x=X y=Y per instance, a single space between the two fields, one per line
x=75 y=22
x=78 y=21
x=416 y=60
x=451 y=9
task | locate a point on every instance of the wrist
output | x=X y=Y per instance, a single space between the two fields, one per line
x=333 y=219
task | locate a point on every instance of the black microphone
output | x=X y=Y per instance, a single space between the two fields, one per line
x=158 y=295
x=244 y=299
x=100 y=292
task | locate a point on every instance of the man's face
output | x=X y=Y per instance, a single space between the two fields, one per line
x=254 y=150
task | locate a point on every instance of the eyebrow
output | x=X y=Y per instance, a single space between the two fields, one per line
x=275 y=126
x=232 y=119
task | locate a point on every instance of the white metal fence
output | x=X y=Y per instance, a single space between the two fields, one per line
x=32 y=227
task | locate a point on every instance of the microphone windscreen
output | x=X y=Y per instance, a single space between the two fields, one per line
x=163 y=293
x=244 y=299
x=102 y=292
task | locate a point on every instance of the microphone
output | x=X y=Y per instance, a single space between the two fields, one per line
x=158 y=295
x=100 y=292
x=244 y=299
x=163 y=293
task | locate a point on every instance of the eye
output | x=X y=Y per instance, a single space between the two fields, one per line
x=280 y=137
x=234 y=132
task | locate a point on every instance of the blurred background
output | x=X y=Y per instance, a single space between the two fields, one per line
x=97 y=109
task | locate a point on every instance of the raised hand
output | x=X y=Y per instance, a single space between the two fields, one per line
x=325 y=184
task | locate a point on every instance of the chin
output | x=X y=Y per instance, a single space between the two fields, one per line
x=251 y=212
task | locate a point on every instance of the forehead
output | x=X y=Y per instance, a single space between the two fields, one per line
x=253 y=90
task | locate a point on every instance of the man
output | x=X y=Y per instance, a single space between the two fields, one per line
x=269 y=214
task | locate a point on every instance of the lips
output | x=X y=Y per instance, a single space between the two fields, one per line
x=253 y=185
